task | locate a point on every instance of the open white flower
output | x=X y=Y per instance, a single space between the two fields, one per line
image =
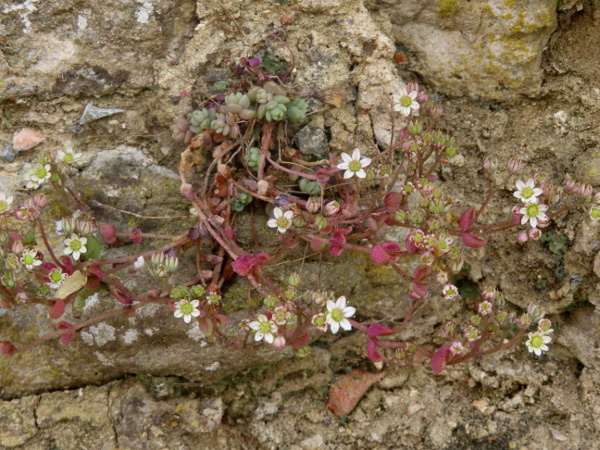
x=338 y=314
x=264 y=329
x=68 y=156
x=30 y=259
x=75 y=246
x=5 y=202
x=533 y=213
x=187 y=309
x=405 y=101
x=40 y=174
x=354 y=165
x=282 y=220
x=537 y=342
x=527 y=192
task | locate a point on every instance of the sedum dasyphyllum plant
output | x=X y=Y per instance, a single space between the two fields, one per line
x=386 y=203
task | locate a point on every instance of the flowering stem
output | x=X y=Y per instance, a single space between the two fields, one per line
x=47 y=244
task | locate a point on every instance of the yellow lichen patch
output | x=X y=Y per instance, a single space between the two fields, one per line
x=447 y=8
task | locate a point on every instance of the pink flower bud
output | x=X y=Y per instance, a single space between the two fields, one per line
x=40 y=200
x=535 y=234
x=279 y=343
x=514 y=165
x=489 y=165
x=379 y=255
x=522 y=238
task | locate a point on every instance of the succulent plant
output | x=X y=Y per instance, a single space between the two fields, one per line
x=253 y=158
x=309 y=186
x=181 y=131
x=225 y=124
x=201 y=119
x=243 y=199
x=274 y=110
x=234 y=103
x=296 y=110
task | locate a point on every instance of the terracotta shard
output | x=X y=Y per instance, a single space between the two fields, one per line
x=347 y=391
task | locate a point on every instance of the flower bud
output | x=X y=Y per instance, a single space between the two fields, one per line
x=332 y=208
x=411 y=347
x=415 y=128
x=514 y=165
x=278 y=343
x=400 y=354
x=299 y=222
x=320 y=222
x=85 y=227
x=501 y=317
x=213 y=298
x=313 y=205
x=270 y=301
x=475 y=320
x=180 y=292
x=294 y=279
x=198 y=291
x=401 y=216
x=545 y=325
x=489 y=165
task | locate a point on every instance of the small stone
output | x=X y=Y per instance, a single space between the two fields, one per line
x=312 y=141
x=8 y=153
x=557 y=435
x=27 y=138
x=414 y=408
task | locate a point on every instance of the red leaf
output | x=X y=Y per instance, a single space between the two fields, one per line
x=466 y=219
x=379 y=255
x=392 y=202
x=6 y=348
x=206 y=326
x=471 y=241
x=439 y=359
x=301 y=340
x=316 y=245
x=377 y=329
x=58 y=309
x=373 y=352
x=66 y=338
x=345 y=394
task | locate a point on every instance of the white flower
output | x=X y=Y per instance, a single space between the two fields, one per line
x=450 y=291
x=320 y=322
x=57 y=277
x=537 y=342
x=354 y=165
x=75 y=246
x=485 y=308
x=405 y=101
x=5 y=202
x=282 y=220
x=338 y=314
x=29 y=258
x=187 y=309
x=40 y=174
x=68 y=156
x=527 y=192
x=533 y=213
x=594 y=213
x=264 y=328
x=456 y=348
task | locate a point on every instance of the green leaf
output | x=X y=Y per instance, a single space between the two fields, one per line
x=94 y=249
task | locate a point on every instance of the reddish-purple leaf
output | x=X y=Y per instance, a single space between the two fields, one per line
x=439 y=359
x=471 y=241
x=373 y=352
x=392 y=202
x=301 y=340
x=379 y=255
x=378 y=329
x=466 y=219
x=58 y=309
